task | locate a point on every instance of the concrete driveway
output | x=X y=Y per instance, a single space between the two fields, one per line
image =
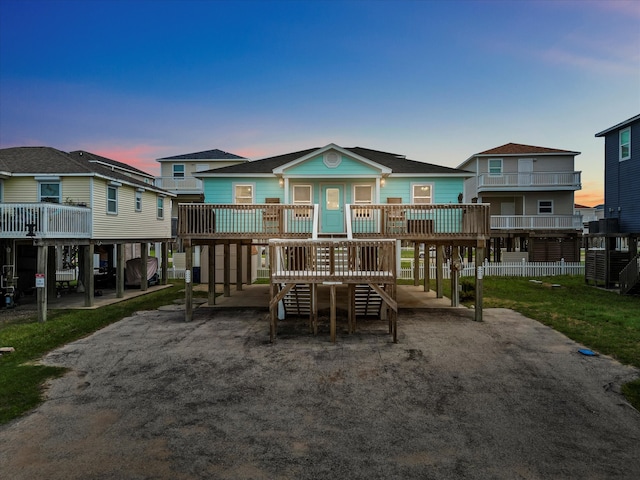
x=153 y=397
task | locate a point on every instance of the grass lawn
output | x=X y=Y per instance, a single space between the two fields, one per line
x=21 y=381
x=601 y=320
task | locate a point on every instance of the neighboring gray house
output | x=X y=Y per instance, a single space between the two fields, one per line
x=531 y=192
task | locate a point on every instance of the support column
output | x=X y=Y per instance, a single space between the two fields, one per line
x=426 y=262
x=164 y=249
x=41 y=292
x=51 y=272
x=479 y=278
x=212 y=275
x=439 y=279
x=249 y=263
x=188 y=284
x=239 y=267
x=144 y=257
x=416 y=264
x=455 y=277
x=332 y=315
x=227 y=270
x=88 y=275
x=119 y=270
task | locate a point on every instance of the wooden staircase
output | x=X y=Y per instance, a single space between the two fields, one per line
x=630 y=277
x=367 y=302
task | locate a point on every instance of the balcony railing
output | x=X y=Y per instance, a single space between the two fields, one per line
x=536 y=222
x=44 y=220
x=318 y=261
x=530 y=180
x=256 y=221
x=187 y=184
x=429 y=222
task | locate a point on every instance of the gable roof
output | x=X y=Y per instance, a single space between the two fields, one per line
x=519 y=149
x=26 y=161
x=618 y=126
x=398 y=164
x=214 y=154
x=92 y=157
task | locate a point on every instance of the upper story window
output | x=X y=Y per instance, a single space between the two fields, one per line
x=138 y=201
x=302 y=195
x=160 y=208
x=545 y=206
x=49 y=192
x=178 y=171
x=243 y=193
x=495 y=166
x=625 y=144
x=362 y=195
x=112 y=199
x=421 y=193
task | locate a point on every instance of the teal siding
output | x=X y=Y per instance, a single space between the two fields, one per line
x=220 y=190
x=316 y=166
x=445 y=190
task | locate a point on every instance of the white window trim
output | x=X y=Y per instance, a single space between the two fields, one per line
x=489 y=167
x=184 y=170
x=244 y=184
x=628 y=129
x=366 y=212
x=115 y=189
x=550 y=206
x=52 y=182
x=422 y=184
x=138 y=201
x=302 y=213
x=159 y=200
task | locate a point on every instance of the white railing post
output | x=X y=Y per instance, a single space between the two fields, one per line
x=348 y=220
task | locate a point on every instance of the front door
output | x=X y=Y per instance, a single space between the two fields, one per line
x=332 y=209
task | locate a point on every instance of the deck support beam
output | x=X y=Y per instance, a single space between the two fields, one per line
x=188 y=284
x=439 y=279
x=480 y=248
x=212 y=274
x=120 y=270
x=41 y=292
x=227 y=269
x=239 y=267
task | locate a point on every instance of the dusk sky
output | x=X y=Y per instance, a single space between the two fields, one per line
x=437 y=81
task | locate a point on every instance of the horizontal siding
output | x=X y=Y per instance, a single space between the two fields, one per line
x=76 y=190
x=316 y=166
x=129 y=224
x=20 y=190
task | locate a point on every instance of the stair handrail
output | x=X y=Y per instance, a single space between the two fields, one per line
x=630 y=275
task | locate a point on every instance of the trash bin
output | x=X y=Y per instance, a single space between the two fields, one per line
x=196 y=274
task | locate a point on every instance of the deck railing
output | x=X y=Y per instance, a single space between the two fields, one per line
x=256 y=221
x=44 y=220
x=539 y=222
x=429 y=222
x=186 y=184
x=570 y=180
x=320 y=261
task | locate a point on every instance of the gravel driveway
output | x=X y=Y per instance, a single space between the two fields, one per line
x=154 y=397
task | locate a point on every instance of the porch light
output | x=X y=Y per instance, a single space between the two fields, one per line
x=382 y=182
x=281 y=182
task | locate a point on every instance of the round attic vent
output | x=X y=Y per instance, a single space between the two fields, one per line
x=332 y=159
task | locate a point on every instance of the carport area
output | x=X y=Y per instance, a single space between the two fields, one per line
x=153 y=396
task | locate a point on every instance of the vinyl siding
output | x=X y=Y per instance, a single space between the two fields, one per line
x=20 y=189
x=316 y=166
x=128 y=224
x=622 y=180
x=445 y=190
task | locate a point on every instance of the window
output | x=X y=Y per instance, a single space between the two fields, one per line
x=495 y=166
x=243 y=193
x=138 y=201
x=545 y=206
x=160 y=212
x=49 y=192
x=625 y=144
x=178 y=171
x=362 y=195
x=302 y=196
x=421 y=193
x=112 y=199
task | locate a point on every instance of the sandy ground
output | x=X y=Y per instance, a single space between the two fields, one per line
x=153 y=397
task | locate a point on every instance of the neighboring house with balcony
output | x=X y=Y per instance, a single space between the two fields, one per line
x=178 y=173
x=51 y=200
x=612 y=254
x=531 y=193
x=338 y=215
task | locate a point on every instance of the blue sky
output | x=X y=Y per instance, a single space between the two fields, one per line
x=437 y=81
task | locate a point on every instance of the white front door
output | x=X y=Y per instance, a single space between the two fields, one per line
x=525 y=169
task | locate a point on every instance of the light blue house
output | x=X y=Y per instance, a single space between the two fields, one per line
x=333 y=216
